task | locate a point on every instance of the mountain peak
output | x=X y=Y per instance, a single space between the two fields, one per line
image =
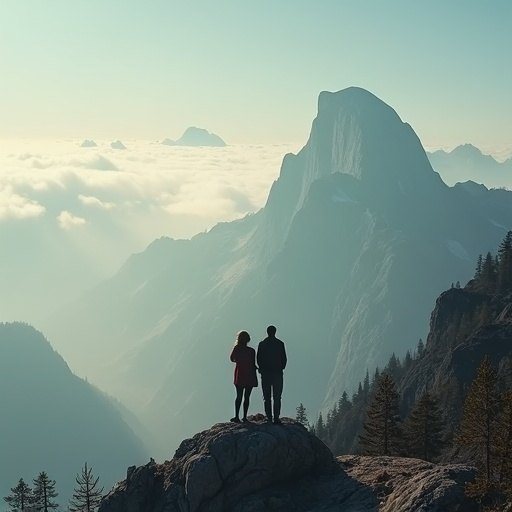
x=467 y=150
x=358 y=134
x=355 y=95
x=194 y=136
x=366 y=138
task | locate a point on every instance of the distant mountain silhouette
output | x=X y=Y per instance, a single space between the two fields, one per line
x=117 y=145
x=357 y=239
x=50 y=420
x=196 y=137
x=88 y=144
x=466 y=162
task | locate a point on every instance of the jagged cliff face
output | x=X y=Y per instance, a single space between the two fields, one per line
x=459 y=339
x=357 y=239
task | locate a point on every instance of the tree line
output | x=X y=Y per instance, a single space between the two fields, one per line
x=376 y=420
x=483 y=437
x=86 y=497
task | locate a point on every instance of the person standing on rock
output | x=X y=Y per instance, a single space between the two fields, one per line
x=245 y=379
x=271 y=363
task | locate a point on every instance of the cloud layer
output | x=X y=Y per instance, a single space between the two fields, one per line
x=71 y=215
x=76 y=213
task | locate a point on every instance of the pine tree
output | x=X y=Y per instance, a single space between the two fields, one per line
x=366 y=387
x=329 y=424
x=505 y=263
x=381 y=431
x=358 y=396
x=407 y=360
x=479 y=263
x=20 y=497
x=302 y=416
x=394 y=367
x=87 y=496
x=344 y=404
x=420 y=350
x=44 y=491
x=424 y=428
x=320 y=428
x=488 y=275
x=479 y=427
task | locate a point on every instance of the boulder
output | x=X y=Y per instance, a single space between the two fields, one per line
x=258 y=467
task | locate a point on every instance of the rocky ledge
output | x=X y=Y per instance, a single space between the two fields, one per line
x=258 y=467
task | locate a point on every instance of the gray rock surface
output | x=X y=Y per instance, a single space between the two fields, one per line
x=259 y=467
x=402 y=484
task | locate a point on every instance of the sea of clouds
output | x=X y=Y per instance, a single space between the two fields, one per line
x=71 y=215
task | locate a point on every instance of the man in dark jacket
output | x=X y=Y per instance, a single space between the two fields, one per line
x=271 y=359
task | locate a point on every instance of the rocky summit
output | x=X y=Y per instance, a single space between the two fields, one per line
x=257 y=467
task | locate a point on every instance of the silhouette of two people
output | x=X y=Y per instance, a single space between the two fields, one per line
x=271 y=361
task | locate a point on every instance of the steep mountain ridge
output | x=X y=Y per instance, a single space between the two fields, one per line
x=467 y=325
x=457 y=343
x=357 y=239
x=53 y=421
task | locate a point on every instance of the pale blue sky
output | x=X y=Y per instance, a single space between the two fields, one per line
x=251 y=71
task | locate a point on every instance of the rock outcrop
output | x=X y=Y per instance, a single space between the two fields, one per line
x=406 y=485
x=255 y=466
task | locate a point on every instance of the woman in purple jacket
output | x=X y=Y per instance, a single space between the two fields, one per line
x=245 y=379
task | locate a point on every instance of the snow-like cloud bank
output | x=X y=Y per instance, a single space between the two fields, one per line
x=201 y=185
x=17 y=206
x=70 y=215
